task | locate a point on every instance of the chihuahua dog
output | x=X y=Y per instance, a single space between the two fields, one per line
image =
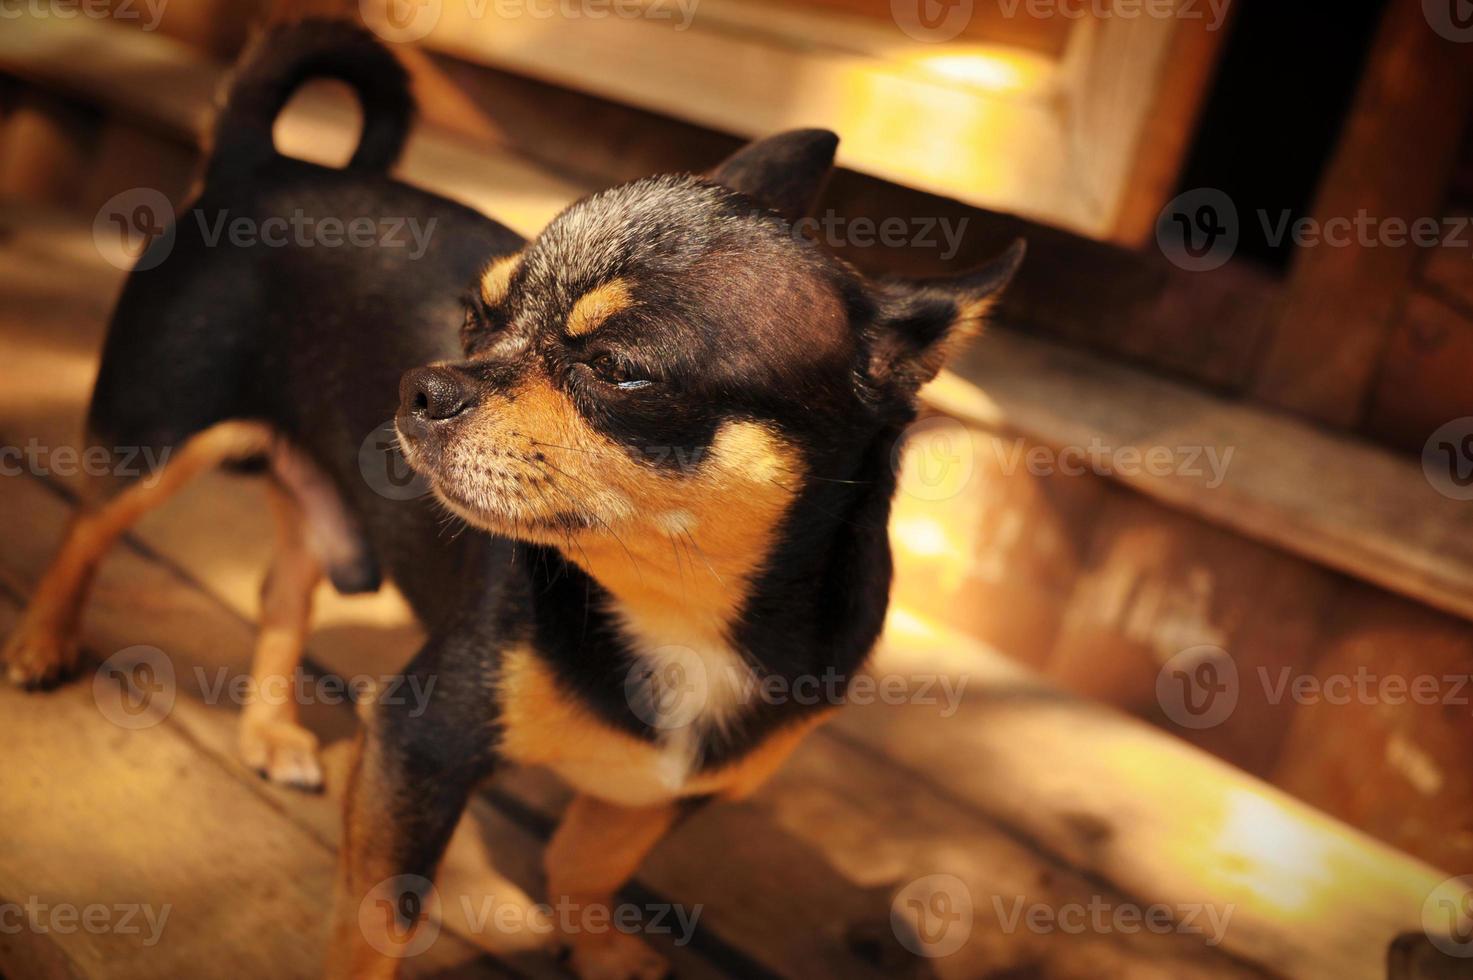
x=673 y=417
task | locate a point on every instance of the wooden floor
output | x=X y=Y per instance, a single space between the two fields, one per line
x=1030 y=799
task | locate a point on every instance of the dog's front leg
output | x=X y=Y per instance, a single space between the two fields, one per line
x=597 y=848
x=415 y=767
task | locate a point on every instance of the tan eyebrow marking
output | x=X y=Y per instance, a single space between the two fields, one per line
x=597 y=305
x=496 y=280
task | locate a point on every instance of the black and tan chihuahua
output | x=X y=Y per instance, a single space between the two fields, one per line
x=674 y=417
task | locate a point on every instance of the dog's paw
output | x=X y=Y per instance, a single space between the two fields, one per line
x=282 y=751
x=38 y=657
x=616 y=955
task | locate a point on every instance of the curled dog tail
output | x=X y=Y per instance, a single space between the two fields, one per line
x=279 y=62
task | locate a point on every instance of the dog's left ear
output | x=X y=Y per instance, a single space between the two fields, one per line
x=785 y=172
x=919 y=321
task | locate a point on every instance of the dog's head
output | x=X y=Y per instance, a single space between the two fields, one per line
x=667 y=358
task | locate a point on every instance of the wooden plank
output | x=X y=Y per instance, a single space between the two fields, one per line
x=898 y=122
x=1169 y=127
x=1395 y=158
x=1312 y=898
x=1391 y=685
x=1332 y=499
x=1156 y=584
x=1422 y=381
x=148 y=822
x=165 y=86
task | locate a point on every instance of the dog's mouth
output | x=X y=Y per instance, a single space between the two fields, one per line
x=510 y=490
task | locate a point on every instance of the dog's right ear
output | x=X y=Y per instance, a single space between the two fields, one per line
x=785 y=172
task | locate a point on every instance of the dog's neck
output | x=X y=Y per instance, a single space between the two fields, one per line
x=785 y=582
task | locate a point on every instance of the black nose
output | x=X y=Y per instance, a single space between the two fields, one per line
x=434 y=393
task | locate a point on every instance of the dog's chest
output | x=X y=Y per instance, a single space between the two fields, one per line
x=684 y=691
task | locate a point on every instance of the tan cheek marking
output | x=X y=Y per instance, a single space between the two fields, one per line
x=728 y=506
x=496 y=280
x=597 y=305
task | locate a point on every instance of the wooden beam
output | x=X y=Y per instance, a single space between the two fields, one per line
x=1394 y=160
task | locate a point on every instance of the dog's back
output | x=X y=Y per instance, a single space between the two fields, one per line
x=298 y=294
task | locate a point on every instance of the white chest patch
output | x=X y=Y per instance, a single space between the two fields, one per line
x=687 y=684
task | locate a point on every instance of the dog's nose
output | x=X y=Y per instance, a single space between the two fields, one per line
x=434 y=394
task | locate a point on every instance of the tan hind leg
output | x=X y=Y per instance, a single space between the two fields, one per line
x=44 y=647
x=271 y=740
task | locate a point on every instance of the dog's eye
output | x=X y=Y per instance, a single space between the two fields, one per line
x=607 y=369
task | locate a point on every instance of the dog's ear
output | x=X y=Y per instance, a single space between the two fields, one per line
x=918 y=321
x=785 y=172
